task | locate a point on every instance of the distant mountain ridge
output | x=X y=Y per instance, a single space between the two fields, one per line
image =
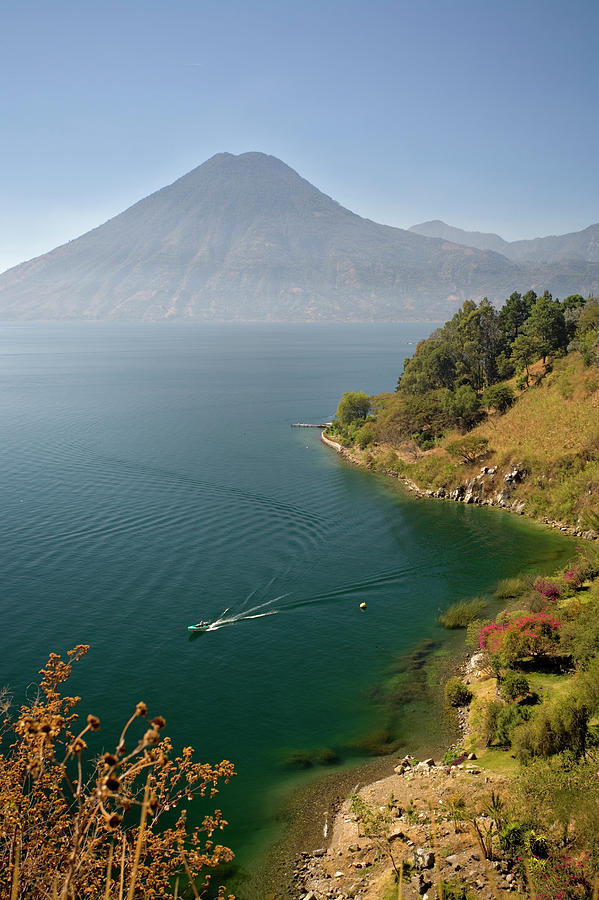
x=245 y=238
x=577 y=245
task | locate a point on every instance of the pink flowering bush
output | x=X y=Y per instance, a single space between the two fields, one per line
x=560 y=878
x=574 y=578
x=549 y=589
x=530 y=635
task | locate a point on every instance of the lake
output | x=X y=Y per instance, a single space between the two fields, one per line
x=151 y=479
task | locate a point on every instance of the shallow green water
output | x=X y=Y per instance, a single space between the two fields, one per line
x=150 y=479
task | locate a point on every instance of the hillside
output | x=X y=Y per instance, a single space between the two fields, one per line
x=575 y=247
x=499 y=408
x=246 y=238
x=496 y=407
x=550 y=436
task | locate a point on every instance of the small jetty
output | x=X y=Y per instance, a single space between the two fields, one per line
x=310 y=425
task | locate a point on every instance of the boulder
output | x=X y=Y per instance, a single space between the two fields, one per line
x=421 y=884
x=424 y=859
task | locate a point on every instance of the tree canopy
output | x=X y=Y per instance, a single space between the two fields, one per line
x=463 y=368
x=353 y=405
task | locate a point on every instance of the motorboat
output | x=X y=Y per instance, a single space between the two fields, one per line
x=201 y=626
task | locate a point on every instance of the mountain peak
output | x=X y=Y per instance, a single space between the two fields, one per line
x=245 y=237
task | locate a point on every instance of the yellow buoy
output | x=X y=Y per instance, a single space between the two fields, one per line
x=362 y=606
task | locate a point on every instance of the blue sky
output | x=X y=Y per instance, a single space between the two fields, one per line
x=484 y=114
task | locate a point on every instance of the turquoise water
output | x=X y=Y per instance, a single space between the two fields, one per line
x=150 y=479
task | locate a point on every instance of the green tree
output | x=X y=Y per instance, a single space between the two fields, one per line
x=590 y=315
x=513 y=314
x=574 y=301
x=424 y=414
x=546 y=326
x=463 y=406
x=514 y=685
x=432 y=366
x=468 y=448
x=353 y=405
x=457 y=692
x=498 y=396
x=524 y=353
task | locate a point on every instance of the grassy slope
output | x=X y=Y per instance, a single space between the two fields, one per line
x=552 y=431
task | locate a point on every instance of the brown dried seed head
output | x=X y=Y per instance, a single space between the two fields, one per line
x=112 y=783
x=141 y=708
x=93 y=722
x=151 y=736
x=78 y=745
x=46 y=727
x=159 y=722
x=153 y=803
x=114 y=821
x=109 y=759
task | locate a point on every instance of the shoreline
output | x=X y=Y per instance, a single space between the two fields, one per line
x=349 y=864
x=464 y=493
x=311 y=806
x=338 y=863
x=301 y=864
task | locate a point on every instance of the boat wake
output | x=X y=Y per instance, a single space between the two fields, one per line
x=255 y=612
x=287 y=602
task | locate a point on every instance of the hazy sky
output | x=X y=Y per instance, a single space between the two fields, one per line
x=483 y=113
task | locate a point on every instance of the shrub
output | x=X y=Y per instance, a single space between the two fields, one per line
x=574 y=577
x=364 y=437
x=514 y=685
x=563 y=793
x=457 y=810
x=507 y=719
x=554 y=728
x=561 y=877
x=581 y=638
x=453 y=756
x=534 y=634
x=473 y=630
x=457 y=889
x=461 y=613
x=511 y=839
x=499 y=396
x=510 y=588
x=457 y=692
x=468 y=449
x=549 y=589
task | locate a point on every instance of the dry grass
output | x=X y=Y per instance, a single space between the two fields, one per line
x=73 y=826
x=552 y=431
x=560 y=415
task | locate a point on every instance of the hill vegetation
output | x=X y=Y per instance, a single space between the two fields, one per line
x=497 y=407
x=516 y=390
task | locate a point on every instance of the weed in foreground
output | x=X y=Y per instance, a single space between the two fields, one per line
x=75 y=827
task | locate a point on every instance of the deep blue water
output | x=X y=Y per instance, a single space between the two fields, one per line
x=150 y=479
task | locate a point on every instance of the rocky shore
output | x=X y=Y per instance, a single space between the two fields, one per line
x=416 y=797
x=491 y=486
x=420 y=830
